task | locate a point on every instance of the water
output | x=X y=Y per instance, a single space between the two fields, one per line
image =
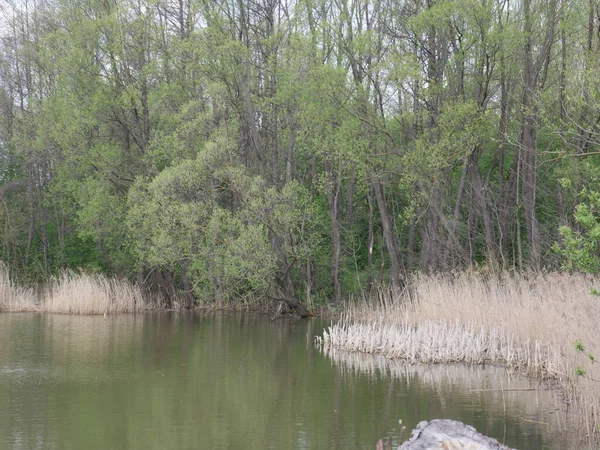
x=183 y=381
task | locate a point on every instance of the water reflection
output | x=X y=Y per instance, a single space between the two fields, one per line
x=183 y=381
x=483 y=396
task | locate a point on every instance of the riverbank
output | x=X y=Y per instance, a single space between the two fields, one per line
x=528 y=324
x=81 y=293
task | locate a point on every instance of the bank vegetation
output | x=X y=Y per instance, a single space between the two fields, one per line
x=532 y=324
x=73 y=293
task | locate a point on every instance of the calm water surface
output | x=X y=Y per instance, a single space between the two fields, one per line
x=182 y=381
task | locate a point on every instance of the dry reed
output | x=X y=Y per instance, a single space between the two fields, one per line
x=85 y=294
x=14 y=298
x=527 y=322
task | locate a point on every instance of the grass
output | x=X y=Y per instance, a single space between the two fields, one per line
x=528 y=323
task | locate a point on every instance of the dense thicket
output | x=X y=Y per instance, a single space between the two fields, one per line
x=298 y=149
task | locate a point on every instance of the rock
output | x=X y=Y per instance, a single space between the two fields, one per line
x=449 y=435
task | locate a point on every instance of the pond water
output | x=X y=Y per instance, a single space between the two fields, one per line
x=183 y=381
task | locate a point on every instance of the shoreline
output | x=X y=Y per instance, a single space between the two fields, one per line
x=529 y=322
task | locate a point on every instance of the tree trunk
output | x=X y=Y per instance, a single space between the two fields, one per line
x=528 y=153
x=333 y=191
x=396 y=276
x=188 y=289
x=350 y=201
x=371 y=240
x=480 y=195
x=289 y=160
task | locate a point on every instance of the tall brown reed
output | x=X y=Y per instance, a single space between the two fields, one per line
x=73 y=293
x=526 y=322
x=14 y=298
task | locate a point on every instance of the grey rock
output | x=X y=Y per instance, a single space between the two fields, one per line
x=445 y=434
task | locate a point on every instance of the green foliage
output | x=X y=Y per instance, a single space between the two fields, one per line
x=581 y=248
x=223 y=144
x=182 y=217
x=581 y=348
x=82 y=253
x=244 y=260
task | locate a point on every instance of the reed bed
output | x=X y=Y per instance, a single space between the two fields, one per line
x=15 y=298
x=73 y=293
x=528 y=323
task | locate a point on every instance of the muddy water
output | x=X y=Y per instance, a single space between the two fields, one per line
x=183 y=381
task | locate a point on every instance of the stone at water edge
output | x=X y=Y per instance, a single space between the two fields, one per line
x=446 y=434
